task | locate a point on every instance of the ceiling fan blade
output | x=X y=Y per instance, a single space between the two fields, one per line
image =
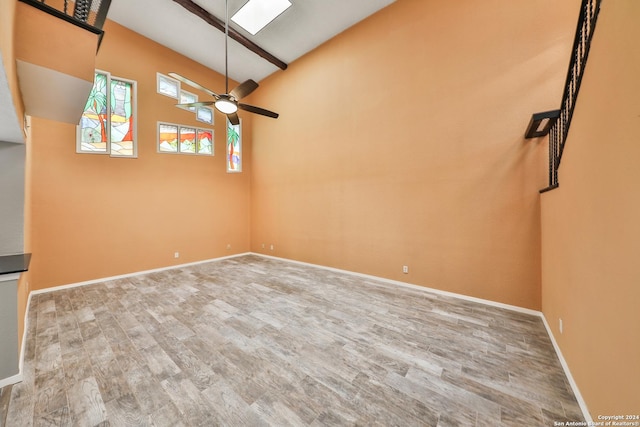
x=258 y=110
x=193 y=84
x=195 y=104
x=234 y=119
x=244 y=89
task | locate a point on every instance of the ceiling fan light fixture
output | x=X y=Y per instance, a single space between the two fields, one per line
x=257 y=14
x=226 y=106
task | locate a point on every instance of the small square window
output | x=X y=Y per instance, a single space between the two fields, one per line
x=167 y=138
x=167 y=86
x=187 y=140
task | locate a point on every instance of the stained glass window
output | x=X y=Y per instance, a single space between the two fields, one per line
x=93 y=132
x=122 y=126
x=191 y=140
x=234 y=147
x=187 y=140
x=205 y=141
x=108 y=123
x=168 y=138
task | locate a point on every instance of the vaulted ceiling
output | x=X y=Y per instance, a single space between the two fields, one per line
x=301 y=28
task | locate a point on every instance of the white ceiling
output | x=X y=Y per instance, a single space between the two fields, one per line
x=301 y=28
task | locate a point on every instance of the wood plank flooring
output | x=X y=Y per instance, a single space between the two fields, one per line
x=252 y=341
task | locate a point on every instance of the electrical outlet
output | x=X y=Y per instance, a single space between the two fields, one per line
x=263 y=246
x=176 y=254
x=228 y=245
x=271 y=247
x=405 y=269
x=561 y=326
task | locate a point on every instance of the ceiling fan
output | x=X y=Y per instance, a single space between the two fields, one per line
x=227 y=103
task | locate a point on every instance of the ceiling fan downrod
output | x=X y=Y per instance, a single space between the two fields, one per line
x=226 y=45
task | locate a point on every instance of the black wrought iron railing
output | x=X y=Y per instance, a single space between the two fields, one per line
x=559 y=121
x=88 y=14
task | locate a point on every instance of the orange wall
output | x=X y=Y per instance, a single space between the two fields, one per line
x=7 y=25
x=93 y=216
x=442 y=179
x=590 y=225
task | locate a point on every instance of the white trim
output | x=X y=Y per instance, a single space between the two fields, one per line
x=565 y=366
x=11 y=380
x=412 y=286
x=25 y=328
x=9 y=277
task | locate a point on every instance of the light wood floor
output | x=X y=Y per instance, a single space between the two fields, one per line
x=256 y=341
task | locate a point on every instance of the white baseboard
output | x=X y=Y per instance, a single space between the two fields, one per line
x=574 y=386
x=11 y=380
x=25 y=328
x=565 y=366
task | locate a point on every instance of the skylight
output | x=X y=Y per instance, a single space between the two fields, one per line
x=256 y=14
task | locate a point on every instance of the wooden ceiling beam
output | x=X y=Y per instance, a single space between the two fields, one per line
x=219 y=24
